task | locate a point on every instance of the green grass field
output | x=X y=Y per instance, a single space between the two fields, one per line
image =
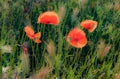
x=55 y=58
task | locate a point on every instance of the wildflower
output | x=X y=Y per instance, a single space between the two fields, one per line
x=90 y=25
x=77 y=38
x=48 y=17
x=30 y=33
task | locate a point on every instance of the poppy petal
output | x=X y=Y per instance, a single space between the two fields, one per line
x=90 y=25
x=29 y=32
x=48 y=17
x=37 y=35
x=30 y=36
x=77 y=38
x=36 y=40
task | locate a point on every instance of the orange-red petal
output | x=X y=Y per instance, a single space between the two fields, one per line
x=37 y=35
x=29 y=32
x=30 y=36
x=77 y=38
x=37 y=40
x=90 y=25
x=48 y=17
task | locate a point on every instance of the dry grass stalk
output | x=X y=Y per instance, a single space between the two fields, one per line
x=103 y=50
x=117 y=76
x=51 y=48
x=61 y=12
x=42 y=74
x=6 y=49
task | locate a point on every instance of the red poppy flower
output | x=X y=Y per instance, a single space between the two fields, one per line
x=30 y=33
x=48 y=17
x=77 y=38
x=90 y=25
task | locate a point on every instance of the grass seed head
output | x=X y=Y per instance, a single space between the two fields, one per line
x=61 y=12
x=43 y=73
x=117 y=76
x=103 y=49
x=51 y=48
x=6 y=49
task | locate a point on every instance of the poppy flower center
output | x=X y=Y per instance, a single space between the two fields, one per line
x=76 y=39
x=47 y=22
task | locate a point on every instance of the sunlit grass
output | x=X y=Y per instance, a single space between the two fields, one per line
x=99 y=59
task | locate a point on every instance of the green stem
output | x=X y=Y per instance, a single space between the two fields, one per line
x=0 y=64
